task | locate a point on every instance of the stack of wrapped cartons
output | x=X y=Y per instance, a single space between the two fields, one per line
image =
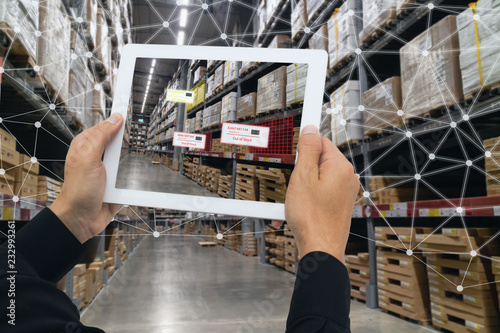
x=376 y=15
x=79 y=284
x=273 y=184
x=103 y=43
x=246 y=66
x=198 y=95
x=342 y=37
x=218 y=78
x=249 y=245
x=247 y=106
x=430 y=70
x=478 y=44
x=491 y=165
x=231 y=72
x=247 y=184
x=200 y=177
x=225 y=184
x=93 y=278
x=76 y=105
x=198 y=121
x=299 y=18
x=319 y=41
x=26 y=177
x=462 y=297
x=280 y=42
x=402 y=281
x=359 y=274
x=228 y=108
x=291 y=252
x=382 y=103
x=199 y=74
x=53 y=47
x=212 y=179
x=98 y=105
x=211 y=64
x=10 y=161
x=314 y=8
x=384 y=191
x=346 y=123
x=296 y=77
x=48 y=189
x=271 y=91
x=111 y=253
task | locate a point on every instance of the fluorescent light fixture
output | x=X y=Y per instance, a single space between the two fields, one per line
x=153 y=64
x=150 y=77
x=183 y=18
x=180 y=38
x=152 y=70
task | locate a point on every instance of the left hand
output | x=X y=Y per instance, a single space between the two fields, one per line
x=80 y=206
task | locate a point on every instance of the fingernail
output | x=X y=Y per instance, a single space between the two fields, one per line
x=310 y=129
x=114 y=119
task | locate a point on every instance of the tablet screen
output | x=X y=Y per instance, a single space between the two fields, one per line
x=213 y=128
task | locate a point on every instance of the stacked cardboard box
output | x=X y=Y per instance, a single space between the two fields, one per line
x=262 y=17
x=111 y=253
x=319 y=41
x=474 y=308
x=249 y=245
x=103 y=42
x=210 y=86
x=26 y=177
x=225 y=184
x=218 y=78
x=200 y=176
x=208 y=233
x=199 y=94
x=212 y=115
x=495 y=269
x=346 y=123
x=199 y=121
x=246 y=66
x=383 y=193
x=93 y=278
x=342 y=38
x=270 y=238
x=279 y=251
x=234 y=239
x=271 y=91
x=223 y=230
x=299 y=18
x=296 y=77
x=359 y=274
x=273 y=184
x=326 y=121
x=376 y=15
x=247 y=106
x=48 y=189
x=491 y=166
x=79 y=284
x=280 y=42
x=382 y=103
x=231 y=72
x=190 y=228
x=212 y=176
x=402 y=281
x=228 y=108
x=10 y=160
x=291 y=253
x=247 y=184
x=199 y=74
x=430 y=70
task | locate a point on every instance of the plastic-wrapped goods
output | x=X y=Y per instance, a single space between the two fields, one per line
x=262 y=16
x=215 y=114
x=228 y=107
x=325 y=128
x=296 y=77
x=53 y=47
x=77 y=83
x=349 y=133
x=376 y=15
x=192 y=125
x=382 y=103
x=98 y=101
x=206 y=117
x=186 y=126
x=211 y=63
x=219 y=77
x=210 y=85
x=91 y=14
x=198 y=121
x=280 y=42
x=231 y=71
x=312 y=7
x=401 y=4
x=342 y=39
x=319 y=41
x=299 y=18
x=199 y=73
x=271 y=8
x=271 y=91
x=479 y=48
x=433 y=82
x=345 y=101
x=102 y=40
x=246 y=65
x=247 y=106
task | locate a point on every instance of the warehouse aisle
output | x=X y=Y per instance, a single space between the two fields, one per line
x=173 y=285
x=139 y=173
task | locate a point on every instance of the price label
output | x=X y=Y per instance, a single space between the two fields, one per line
x=245 y=135
x=180 y=96
x=189 y=140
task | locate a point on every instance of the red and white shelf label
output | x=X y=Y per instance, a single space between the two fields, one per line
x=245 y=135
x=189 y=140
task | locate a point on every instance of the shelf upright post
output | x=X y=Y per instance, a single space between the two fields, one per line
x=261 y=240
x=181 y=111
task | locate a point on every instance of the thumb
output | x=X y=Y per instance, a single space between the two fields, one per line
x=102 y=133
x=309 y=149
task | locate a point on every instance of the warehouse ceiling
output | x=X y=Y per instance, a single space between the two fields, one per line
x=203 y=27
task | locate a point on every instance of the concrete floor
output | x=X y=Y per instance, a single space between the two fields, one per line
x=173 y=285
x=139 y=173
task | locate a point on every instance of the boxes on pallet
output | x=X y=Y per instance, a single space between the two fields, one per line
x=48 y=189
x=382 y=103
x=53 y=49
x=346 y=123
x=76 y=106
x=313 y=8
x=319 y=41
x=199 y=74
x=291 y=254
x=272 y=7
x=247 y=188
x=296 y=77
x=491 y=165
x=7 y=141
x=247 y=106
x=210 y=85
x=262 y=17
x=271 y=91
x=430 y=72
x=342 y=38
x=280 y=42
x=359 y=274
x=225 y=184
x=273 y=184
x=246 y=66
x=231 y=72
x=249 y=245
x=299 y=18
x=478 y=52
x=219 y=78
x=199 y=120
x=198 y=95
x=228 y=107
x=279 y=252
x=376 y=15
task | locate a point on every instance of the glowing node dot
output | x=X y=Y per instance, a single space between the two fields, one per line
x=36 y=68
x=417 y=176
x=430 y=6
x=229 y=0
x=329 y=111
x=74 y=56
x=453 y=124
x=366 y=194
x=88 y=54
x=476 y=17
x=223 y=36
x=460 y=210
x=343 y=122
x=409 y=253
x=400 y=113
x=126 y=206
x=350 y=12
x=487 y=154
x=119 y=30
x=460 y=288
x=204 y=6
x=358 y=175
x=2 y=69
x=473 y=253
x=156 y=234
x=166 y=24
x=38 y=124
x=115 y=71
x=34 y=159
x=361 y=108
x=52 y=106
x=79 y=19
x=358 y=51
x=432 y=157
x=466 y=117
x=425 y=53
x=17 y=30
x=220 y=236
x=2 y=172
x=307 y=30
x=409 y=134
x=1 y=120
x=15 y=198
x=468 y=163
x=97 y=87
x=38 y=33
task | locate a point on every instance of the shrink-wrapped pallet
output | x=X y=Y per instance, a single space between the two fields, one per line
x=479 y=63
x=98 y=101
x=210 y=64
x=382 y=103
x=351 y=132
x=77 y=82
x=376 y=15
x=247 y=106
x=299 y=18
x=280 y=42
x=199 y=74
x=430 y=70
x=319 y=41
x=199 y=121
x=231 y=72
x=228 y=107
x=313 y=7
x=219 y=77
x=271 y=9
x=103 y=51
x=210 y=86
x=53 y=48
x=192 y=125
x=246 y=66
x=346 y=124
x=215 y=113
x=206 y=117
x=342 y=39
x=271 y=91
x=296 y=76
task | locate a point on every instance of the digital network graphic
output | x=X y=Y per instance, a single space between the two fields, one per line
x=420 y=172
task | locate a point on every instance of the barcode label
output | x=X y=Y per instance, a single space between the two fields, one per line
x=255 y=132
x=198 y=138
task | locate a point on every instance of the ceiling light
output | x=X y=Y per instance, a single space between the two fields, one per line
x=180 y=38
x=150 y=77
x=183 y=18
x=153 y=64
x=152 y=70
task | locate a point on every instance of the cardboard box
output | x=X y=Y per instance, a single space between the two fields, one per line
x=8 y=141
x=25 y=160
x=299 y=18
x=376 y=15
x=228 y=107
x=296 y=77
x=342 y=37
x=9 y=156
x=271 y=91
x=247 y=106
x=280 y=42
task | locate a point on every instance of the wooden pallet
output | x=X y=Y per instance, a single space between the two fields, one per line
x=229 y=83
x=294 y=105
x=207 y=243
x=340 y=64
x=250 y=69
x=380 y=31
x=486 y=92
x=422 y=322
x=349 y=143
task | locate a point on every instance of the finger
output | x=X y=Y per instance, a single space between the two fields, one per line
x=309 y=148
x=101 y=134
x=277 y=224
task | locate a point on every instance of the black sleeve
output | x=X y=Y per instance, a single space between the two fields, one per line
x=45 y=250
x=322 y=296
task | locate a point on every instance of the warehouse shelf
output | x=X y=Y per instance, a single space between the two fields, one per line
x=212 y=69
x=279 y=15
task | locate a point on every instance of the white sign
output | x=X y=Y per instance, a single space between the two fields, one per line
x=245 y=135
x=180 y=96
x=189 y=140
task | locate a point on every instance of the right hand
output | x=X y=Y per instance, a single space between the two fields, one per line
x=320 y=196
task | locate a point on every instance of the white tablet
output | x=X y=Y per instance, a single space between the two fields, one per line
x=233 y=132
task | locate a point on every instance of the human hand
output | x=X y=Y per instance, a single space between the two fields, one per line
x=80 y=206
x=320 y=196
